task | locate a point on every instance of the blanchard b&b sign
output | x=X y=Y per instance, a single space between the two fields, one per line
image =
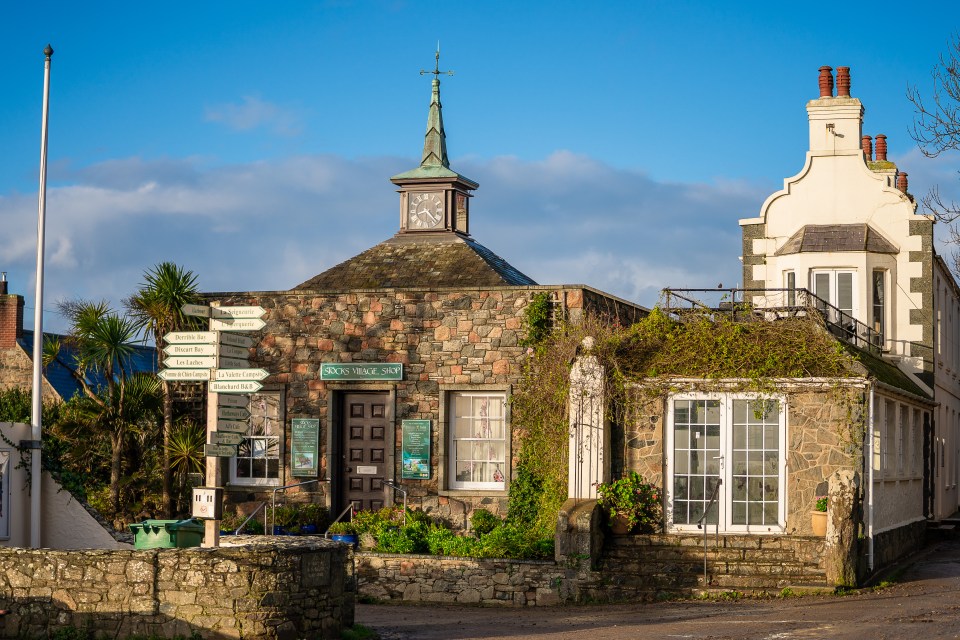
x=361 y=371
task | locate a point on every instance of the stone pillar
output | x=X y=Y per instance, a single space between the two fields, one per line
x=843 y=523
x=589 y=435
x=579 y=540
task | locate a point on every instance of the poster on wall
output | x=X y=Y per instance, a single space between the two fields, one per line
x=415 y=450
x=4 y=494
x=305 y=447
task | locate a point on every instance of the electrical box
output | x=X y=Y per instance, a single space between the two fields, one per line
x=208 y=503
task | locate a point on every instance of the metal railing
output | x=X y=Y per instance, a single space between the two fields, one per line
x=273 y=501
x=700 y=525
x=251 y=516
x=396 y=486
x=773 y=304
x=350 y=509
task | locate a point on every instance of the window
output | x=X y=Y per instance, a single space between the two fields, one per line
x=790 y=284
x=739 y=440
x=901 y=437
x=878 y=302
x=837 y=289
x=258 y=456
x=478 y=440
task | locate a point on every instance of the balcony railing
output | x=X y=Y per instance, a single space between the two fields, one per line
x=773 y=304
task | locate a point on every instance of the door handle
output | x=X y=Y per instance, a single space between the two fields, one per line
x=349 y=469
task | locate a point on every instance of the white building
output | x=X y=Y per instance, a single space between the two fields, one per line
x=846 y=230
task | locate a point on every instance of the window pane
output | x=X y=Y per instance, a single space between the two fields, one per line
x=845 y=292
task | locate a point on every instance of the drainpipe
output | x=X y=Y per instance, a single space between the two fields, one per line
x=869 y=461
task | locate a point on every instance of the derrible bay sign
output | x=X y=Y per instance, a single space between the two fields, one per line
x=361 y=371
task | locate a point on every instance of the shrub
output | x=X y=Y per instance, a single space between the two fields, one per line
x=633 y=500
x=483 y=522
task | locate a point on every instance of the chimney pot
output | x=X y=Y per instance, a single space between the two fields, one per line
x=866 y=143
x=843 y=81
x=882 y=148
x=902 y=181
x=826 y=82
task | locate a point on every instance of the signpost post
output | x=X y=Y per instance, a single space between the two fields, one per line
x=199 y=356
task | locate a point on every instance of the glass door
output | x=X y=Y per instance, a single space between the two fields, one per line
x=738 y=441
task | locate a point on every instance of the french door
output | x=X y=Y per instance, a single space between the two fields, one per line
x=731 y=446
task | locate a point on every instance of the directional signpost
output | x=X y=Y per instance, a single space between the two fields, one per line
x=221 y=357
x=219 y=450
x=226 y=437
x=184 y=375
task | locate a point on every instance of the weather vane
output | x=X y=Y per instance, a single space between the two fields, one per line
x=436 y=67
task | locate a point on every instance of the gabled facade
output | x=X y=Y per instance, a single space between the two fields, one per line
x=846 y=229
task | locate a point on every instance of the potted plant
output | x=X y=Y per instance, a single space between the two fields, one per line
x=630 y=504
x=818 y=517
x=345 y=532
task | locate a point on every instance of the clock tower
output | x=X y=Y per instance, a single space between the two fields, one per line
x=433 y=197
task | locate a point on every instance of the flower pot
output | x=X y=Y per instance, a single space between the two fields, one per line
x=818 y=522
x=308 y=530
x=620 y=525
x=346 y=538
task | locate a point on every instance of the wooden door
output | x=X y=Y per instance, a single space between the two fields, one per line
x=364 y=452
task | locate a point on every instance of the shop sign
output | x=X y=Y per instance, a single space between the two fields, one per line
x=361 y=371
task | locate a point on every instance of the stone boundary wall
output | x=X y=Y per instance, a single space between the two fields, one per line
x=277 y=589
x=438 y=579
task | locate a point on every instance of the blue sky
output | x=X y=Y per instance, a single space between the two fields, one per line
x=616 y=143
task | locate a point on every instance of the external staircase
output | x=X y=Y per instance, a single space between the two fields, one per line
x=664 y=565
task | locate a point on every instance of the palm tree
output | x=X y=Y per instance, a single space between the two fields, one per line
x=158 y=309
x=113 y=400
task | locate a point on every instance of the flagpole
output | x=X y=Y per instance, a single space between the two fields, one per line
x=36 y=433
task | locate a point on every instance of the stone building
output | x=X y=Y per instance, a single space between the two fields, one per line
x=846 y=231
x=397 y=365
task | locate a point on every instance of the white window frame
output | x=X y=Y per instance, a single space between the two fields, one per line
x=832 y=297
x=452 y=442
x=262 y=442
x=726 y=471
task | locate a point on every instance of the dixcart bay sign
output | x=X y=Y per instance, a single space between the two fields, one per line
x=190 y=350
x=174 y=375
x=361 y=371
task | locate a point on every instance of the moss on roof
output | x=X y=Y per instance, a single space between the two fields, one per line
x=409 y=260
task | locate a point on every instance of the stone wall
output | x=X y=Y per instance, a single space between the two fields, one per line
x=16 y=372
x=445 y=338
x=417 y=578
x=276 y=589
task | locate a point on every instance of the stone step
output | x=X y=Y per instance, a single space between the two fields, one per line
x=725 y=554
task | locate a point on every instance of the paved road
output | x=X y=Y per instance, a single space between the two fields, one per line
x=925 y=603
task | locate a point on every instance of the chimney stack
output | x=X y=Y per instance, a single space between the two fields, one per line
x=826 y=82
x=11 y=316
x=882 y=148
x=866 y=143
x=902 y=181
x=843 y=82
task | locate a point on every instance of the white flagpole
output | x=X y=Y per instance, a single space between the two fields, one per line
x=36 y=434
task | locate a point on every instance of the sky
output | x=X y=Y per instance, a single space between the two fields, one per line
x=616 y=144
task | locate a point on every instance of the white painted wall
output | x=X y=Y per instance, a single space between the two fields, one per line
x=64 y=523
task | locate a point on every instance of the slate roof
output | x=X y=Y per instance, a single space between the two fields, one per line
x=416 y=260
x=837 y=237
x=143 y=359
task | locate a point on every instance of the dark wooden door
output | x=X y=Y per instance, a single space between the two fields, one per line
x=364 y=450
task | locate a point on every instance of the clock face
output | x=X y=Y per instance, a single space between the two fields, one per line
x=425 y=210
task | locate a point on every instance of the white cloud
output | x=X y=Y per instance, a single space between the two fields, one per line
x=253 y=113
x=567 y=219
